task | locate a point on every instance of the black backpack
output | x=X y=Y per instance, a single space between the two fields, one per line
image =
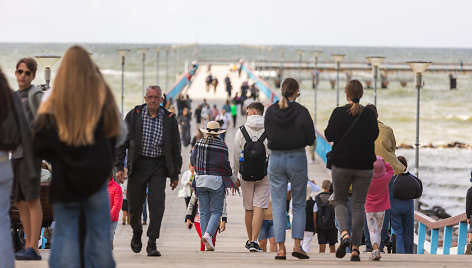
x=325 y=214
x=407 y=186
x=253 y=165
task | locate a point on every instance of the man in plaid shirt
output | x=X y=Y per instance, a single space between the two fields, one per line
x=153 y=147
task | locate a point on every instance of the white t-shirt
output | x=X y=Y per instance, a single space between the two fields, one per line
x=226 y=118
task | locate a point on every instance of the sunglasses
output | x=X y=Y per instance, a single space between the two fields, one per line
x=20 y=72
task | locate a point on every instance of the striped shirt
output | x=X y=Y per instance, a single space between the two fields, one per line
x=153 y=131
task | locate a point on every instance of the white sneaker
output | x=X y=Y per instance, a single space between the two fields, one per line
x=375 y=255
x=206 y=239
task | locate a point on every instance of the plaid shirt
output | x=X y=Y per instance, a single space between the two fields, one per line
x=211 y=158
x=153 y=130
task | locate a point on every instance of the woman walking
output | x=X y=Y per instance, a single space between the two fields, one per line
x=289 y=130
x=353 y=130
x=75 y=131
x=213 y=171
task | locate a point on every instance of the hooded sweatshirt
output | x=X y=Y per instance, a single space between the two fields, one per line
x=378 y=198
x=255 y=128
x=289 y=129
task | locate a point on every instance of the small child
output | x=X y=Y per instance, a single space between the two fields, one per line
x=310 y=221
x=377 y=201
x=267 y=231
x=324 y=219
x=186 y=181
x=116 y=200
x=193 y=217
x=468 y=212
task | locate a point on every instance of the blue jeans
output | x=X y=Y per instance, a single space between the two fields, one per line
x=210 y=204
x=403 y=221
x=65 y=251
x=383 y=233
x=285 y=166
x=7 y=256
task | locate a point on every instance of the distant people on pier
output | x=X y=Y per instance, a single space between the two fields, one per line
x=224 y=119
x=208 y=81
x=234 y=112
x=213 y=174
x=153 y=154
x=250 y=158
x=214 y=112
x=468 y=212
x=214 y=83
x=406 y=188
x=26 y=186
x=14 y=132
x=290 y=129
x=184 y=120
x=228 y=85
x=76 y=131
x=377 y=202
x=353 y=130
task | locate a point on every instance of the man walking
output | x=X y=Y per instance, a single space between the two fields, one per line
x=250 y=156
x=153 y=145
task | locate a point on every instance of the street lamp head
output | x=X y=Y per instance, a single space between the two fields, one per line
x=157 y=49
x=418 y=66
x=375 y=60
x=143 y=50
x=316 y=53
x=47 y=61
x=338 y=57
x=123 y=52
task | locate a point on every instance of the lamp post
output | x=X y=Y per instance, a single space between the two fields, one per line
x=300 y=55
x=158 y=50
x=316 y=54
x=143 y=52
x=122 y=53
x=375 y=61
x=418 y=68
x=337 y=58
x=47 y=62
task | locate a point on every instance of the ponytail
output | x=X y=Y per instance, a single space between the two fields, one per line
x=283 y=104
x=289 y=87
x=354 y=92
x=355 y=109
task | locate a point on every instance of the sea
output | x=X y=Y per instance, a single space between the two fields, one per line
x=445 y=115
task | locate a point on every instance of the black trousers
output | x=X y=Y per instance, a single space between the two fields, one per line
x=150 y=172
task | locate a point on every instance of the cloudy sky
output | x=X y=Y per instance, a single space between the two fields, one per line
x=417 y=23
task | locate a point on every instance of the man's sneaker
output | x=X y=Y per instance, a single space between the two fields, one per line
x=206 y=239
x=468 y=248
x=248 y=245
x=28 y=255
x=136 y=243
x=375 y=255
x=254 y=247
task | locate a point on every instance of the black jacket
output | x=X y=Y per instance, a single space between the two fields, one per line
x=290 y=128
x=357 y=151
x=133 y=143
x=468 y=203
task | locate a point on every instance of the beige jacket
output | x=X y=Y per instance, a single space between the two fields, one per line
x=385 y=146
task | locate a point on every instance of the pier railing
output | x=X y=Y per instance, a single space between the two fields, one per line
x=179 y=84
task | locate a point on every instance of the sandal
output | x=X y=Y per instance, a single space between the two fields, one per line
x=355 y=257
x=301 y=255
x=280 y=257
x=345 y=242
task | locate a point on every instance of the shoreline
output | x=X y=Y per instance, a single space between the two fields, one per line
x=450 y=145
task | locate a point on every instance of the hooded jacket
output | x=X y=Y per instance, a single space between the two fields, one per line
x=289 y=129
x=255 y=128
x=385 y=146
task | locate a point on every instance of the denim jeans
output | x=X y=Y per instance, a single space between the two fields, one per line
x=285 y=166
x=210 y=205
x=383 y=233
x=7 y=256
x=65 y=250
x=403 y=220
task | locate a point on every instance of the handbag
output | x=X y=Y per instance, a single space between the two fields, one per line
x=329 y=155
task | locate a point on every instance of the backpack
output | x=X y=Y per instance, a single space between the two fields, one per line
x=407 y=186
x=325 y=214
x=253 y=165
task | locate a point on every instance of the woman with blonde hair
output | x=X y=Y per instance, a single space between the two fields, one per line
x=289 y=129
x=353 y=130
x=76 y=131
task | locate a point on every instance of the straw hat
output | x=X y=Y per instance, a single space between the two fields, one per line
x=213 y=128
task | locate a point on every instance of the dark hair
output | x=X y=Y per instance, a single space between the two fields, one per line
x=289 y=87
x=373 y=108
x=5 y=96
x=354 y=92
x=30 y=63
x=259 y=107
x=402 y=160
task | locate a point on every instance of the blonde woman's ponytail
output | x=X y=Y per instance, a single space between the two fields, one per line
x=289 y=87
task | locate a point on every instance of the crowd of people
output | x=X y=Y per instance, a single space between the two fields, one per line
x=76 y=127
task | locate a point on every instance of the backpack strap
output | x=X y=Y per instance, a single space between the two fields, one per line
x=262 y=137
x=245 y=134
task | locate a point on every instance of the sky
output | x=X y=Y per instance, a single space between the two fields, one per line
x=392 y=23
